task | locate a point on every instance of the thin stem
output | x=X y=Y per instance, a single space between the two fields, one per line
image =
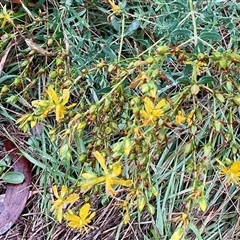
x=192 y=12
x=122 y=36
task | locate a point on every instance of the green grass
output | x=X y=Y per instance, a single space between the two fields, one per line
x=110 y=63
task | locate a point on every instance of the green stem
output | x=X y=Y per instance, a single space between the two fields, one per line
x=122 y=36
x=192 y=12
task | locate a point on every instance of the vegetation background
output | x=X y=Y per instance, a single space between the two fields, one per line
x=129 y=114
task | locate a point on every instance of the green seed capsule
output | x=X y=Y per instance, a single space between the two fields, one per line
x=195 y=89
x=17 y=81
x=53 y=74
x=151 y=209
x=223 y=63
x=162 y=50
x=150 y=60
x=58 y=61
x=220 y=97
x=217 y=55
x=236 y=99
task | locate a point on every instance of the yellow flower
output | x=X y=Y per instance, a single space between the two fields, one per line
x=190 y=118
x=110 y=179
x=25 y=119
x=81 y=221
x=115 y=8
x=6 y=16
x=151 y=113
x=232 y=173
x=181 y=117
x=54 y=103
x=61 y=201
x=201 y=66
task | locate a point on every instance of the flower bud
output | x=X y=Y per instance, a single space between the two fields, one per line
x=217 y=55
x=220 y=97
x=151 y=209
x=207 y=149
x=236 y=99
x=195 y=89
x=202 y=203
x=150 y=60
x=223 y=63
x=53 y=74
x=141 y=202
x=161 y=50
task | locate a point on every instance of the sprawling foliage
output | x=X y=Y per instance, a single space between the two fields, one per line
x=132 y=109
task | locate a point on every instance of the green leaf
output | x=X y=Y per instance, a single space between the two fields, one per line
x=184 y=80
x=104 y=90
x=13 y=177
x=182 y=32
x=210 y=36
x=132 y=27
x=6 y=77
x=195 y=231
x=110 y=53
x=206 y=79
x=115 y=24
x=33 y=160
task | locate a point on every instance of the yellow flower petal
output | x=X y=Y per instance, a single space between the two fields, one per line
x=109 y=186
x=33 y=123
x=81 y=126
x=72 y=198
x=126 y=217
x=6 y=16
x=92 y=215
x=84 y=211
x=22 y=118
x=85 y=186
x=126 y=183
x=117 y=169
x=148 y=104
x=101 y=161
x=89 y=175
x=40 y=103
x=157 y=111
x=71 y=105
x=59 y=213
x=160 y=104
x=71 y=217
x=55 y=192
x=52 y=95
x=56 y=204
x=235 y=168
x=63 y=191
x=65 y=96
x=144 y=114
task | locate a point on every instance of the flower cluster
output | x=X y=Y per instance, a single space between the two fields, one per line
x=42 y=108
x=78 y=221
